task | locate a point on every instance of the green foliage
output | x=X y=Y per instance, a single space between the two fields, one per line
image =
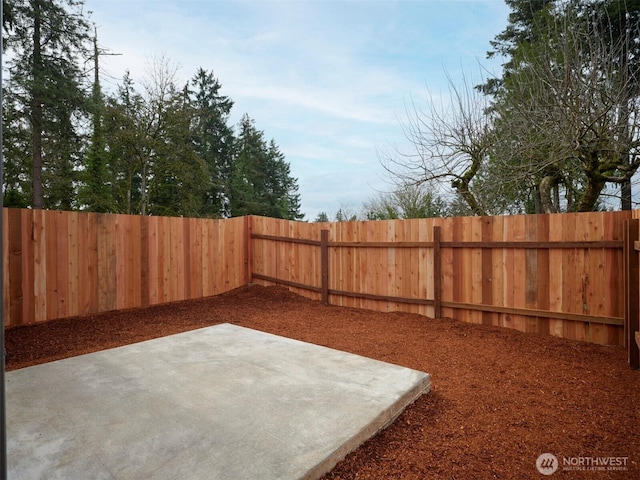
x=94 y=193
x=322 y=217
x=45 y=41
x=16 y=149
x=162 y=149
x=261 y=183
x=213 y=140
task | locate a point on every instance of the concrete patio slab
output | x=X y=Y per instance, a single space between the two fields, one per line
x=223 y=402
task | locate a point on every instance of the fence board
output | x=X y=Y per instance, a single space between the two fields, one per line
x=28 y=297
x=82 y=264
x=92 y=264
x=187 y=254
x=474 y=268
x=424 y=262
x=73 y=270
x=531 y=272
x=614 y=296
x=107 y=292
x=543 y=268
x=447 y=269
x=151 y=265
x=487 y=271
x=5 y=266
x=459 y=282
x=62 y=267
x=40 y=266
x=569 y=291
x=556 y=326
x=497 y=270
x=166 y=259
x=508 y=273
x=15 y=280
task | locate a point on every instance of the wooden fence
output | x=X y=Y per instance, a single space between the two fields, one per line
x=556 y=274
x=63 y=264
x=564 y=275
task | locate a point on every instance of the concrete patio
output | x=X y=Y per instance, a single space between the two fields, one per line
x=223 y=402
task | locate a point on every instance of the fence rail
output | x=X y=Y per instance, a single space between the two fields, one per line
x=563 y=274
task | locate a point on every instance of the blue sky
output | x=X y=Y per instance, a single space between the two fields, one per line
x=328 y=80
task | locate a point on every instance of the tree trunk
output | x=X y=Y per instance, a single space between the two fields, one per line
x=589 y=199
x=546 y=192
x=625 y=187
x=143 y=190
x=625 y=193
x=36 y=115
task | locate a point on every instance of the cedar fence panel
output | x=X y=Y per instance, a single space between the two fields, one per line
x=64 y=264
x=561 y=274
x=557 y=274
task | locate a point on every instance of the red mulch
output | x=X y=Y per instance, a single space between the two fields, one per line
x=499 y=398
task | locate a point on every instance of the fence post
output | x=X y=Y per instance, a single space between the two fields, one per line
x=248 y=231
x=437 y=273
x=631 y=291
x=324 y=263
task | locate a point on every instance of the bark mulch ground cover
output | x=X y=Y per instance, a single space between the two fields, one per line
x=499 y=398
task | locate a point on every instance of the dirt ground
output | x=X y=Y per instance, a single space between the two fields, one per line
x=499 y=398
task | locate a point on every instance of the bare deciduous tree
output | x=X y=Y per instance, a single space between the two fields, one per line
x=450 y=142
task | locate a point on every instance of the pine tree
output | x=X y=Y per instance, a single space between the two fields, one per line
x=122 y=117
x=179 y=175
x=16 y=149
x=95 y=192
x=322 y=217
x=260 y=182
x=283 y=188
x=247 y=189
x=213 y=139
x=46 y=42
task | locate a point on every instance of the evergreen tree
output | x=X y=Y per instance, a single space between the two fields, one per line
x=247 y=187
x=567 y=107
x=16 y=149
x=95 y=192
x=282 y=187
x=180 y=176
x=46 y=40
x=520 y=31
x=565 y=116
x=213 y=140
x=124 y=144
x=260 y=182
x=322 y=217
x=345 y=214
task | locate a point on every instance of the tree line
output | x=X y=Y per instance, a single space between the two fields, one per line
x=158 y=148
x=558 y=130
